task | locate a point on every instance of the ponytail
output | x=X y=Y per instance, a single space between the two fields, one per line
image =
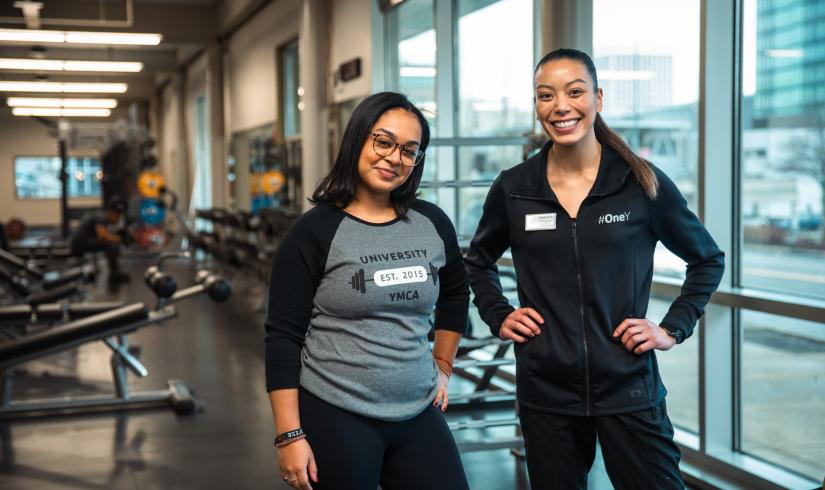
x=640 y=167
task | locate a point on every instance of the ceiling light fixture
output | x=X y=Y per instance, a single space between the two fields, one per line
x=57 y=112
x=66 y=65
x=58 y=103
x=80 y=37
x=57 y=87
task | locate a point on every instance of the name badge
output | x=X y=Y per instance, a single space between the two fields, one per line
x=533 y=222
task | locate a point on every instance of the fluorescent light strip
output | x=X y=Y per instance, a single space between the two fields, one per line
x=56 y=87
x=24 y=64
x=79 y=37
x=110 y=66
x=57 y=112
x=31 y=35
x=75 y=103
x=62 y=65
x=126 y=38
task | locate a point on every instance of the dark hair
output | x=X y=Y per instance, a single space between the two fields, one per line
x=338 y=187
x=117 y=204
x=641 y=168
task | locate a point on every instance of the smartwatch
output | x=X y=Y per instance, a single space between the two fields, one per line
x=675 y=333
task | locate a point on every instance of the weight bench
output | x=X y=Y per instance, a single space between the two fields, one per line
x=53 y=312
x=107 y=326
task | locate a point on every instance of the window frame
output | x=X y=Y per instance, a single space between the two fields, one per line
x=17 y=195
x=713 y=455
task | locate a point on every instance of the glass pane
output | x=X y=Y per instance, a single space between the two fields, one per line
x=486 y=162
x=679 y=370
x=495 y=60
x=428 y=194
x=38 y=177
x=783 y=391
x=411 y=36
x=430 y=164
x=292 y=90
x=446 y=201
x=649 y=72
x=470 y=205
x=783 y=148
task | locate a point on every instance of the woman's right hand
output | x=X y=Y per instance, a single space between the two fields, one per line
x=521 y=325
x=297 y=464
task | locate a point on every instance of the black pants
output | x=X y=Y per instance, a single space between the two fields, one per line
x=111 y=250
x=359 y=453
x=638 y=449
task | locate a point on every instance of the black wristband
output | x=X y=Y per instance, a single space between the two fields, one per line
x=289 y=435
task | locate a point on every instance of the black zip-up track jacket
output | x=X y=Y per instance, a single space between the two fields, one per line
x=584 y=276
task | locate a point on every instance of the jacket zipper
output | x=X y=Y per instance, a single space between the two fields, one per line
x=581 y=318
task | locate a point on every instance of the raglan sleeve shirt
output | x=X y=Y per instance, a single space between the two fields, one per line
x=297 y=269
x=315 y=285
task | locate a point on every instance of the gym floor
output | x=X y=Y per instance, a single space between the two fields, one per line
x=216 y=349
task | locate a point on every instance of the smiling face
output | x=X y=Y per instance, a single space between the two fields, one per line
x=380 y=175
x=566 y=101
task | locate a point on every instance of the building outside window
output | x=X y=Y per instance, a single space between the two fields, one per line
x=782 y=232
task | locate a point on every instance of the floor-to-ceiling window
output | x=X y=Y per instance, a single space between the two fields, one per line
x=728 y=99
x=202 y=192
x=649 y=72
x=470 y=72
x=782 y=232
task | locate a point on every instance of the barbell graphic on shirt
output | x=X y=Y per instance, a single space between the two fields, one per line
x=393 y=277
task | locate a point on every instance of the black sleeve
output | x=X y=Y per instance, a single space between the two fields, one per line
x=492 y=238
x=451 y=308
x=683 y=234
x=296 y=272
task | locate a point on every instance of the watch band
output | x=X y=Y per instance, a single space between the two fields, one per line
x=675 y=333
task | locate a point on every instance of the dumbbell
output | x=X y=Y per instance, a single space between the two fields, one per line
x=216 y=287
x=161 y=283
x=358 y=281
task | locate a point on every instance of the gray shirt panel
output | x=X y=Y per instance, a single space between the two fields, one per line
x=366 y=348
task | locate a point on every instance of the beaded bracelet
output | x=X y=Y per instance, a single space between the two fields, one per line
x=289 y=437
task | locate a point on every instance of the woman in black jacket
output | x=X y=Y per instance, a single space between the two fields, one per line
x=582 y=219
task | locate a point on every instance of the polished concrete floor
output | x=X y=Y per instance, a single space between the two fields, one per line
x=216 y=349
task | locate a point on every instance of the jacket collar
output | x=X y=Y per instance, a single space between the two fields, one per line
x=613 y=171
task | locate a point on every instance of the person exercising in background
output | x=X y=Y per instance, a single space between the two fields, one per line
x=94 y=234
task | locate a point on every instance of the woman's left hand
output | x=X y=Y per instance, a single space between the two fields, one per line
x=441 y=391
x=639 y=335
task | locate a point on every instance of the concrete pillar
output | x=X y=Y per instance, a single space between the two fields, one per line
x=313 y=60
x=218 y=150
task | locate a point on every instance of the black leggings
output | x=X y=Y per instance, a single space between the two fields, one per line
x=354 y=452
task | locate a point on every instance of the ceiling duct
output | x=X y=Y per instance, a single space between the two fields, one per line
x=32 y=9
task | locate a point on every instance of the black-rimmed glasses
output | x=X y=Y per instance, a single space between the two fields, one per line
x=385 y=146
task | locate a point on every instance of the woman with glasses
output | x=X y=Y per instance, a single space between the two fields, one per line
x=355 y=387
x=582 y=219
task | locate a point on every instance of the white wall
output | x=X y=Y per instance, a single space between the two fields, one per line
x=21 y=136
x=350 y=37
x=251 y=65
x=170 y=150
